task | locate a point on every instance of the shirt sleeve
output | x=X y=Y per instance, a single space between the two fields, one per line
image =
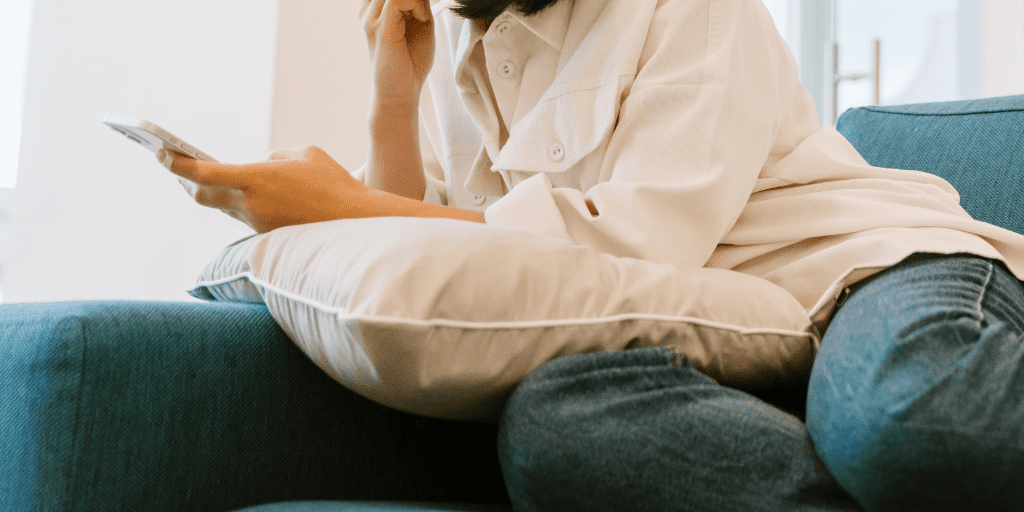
x=715 y=82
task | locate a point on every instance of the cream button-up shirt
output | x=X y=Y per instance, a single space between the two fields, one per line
x=674 y=131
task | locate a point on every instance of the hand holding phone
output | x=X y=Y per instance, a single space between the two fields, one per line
x=152 y=137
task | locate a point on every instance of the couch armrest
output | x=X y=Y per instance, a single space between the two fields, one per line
x=186 y=406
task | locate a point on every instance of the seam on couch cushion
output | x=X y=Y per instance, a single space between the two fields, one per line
x=59 y=439
x=1005 y=104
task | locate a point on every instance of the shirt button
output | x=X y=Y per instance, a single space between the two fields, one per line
x=506 y=69
x=479 y=200
x=556 y=152
x=503 y=28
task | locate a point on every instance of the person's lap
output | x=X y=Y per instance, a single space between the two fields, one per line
x=642 y=430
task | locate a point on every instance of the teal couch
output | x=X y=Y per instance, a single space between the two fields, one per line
x=178 y=407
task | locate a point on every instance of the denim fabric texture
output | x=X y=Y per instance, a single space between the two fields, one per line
x=144 y=406
x=977 y=146
x=641 y=430
x=916 y=400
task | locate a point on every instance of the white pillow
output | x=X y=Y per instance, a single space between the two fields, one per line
x=444 y=318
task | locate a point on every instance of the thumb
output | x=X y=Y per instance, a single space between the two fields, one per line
x=202 y=172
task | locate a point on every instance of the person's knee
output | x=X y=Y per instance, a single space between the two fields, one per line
x=912 y=455
x=539 y=445
x=863 y=454
x=529 y=424
x=575 y=427
x=541 y=427
x=617 y=431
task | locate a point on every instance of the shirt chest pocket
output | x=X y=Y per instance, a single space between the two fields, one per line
x=562 y=131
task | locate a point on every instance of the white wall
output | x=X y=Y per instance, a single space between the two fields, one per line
x=95 y=217
x=322 y=84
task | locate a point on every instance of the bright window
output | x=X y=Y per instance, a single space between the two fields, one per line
x=15 y=29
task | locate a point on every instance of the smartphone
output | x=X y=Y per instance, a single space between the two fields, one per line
x=151 y=136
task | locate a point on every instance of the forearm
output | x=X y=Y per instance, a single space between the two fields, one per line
x=394 y=171
x=394 y=163
x=385 y=204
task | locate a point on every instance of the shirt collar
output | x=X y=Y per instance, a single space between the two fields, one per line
x=551 y=25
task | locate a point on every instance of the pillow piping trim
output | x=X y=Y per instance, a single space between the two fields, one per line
x=341 y=314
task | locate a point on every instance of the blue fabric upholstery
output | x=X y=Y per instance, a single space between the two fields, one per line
x=205 y=407
x=978 y=146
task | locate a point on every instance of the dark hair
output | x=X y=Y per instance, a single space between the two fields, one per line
x=489 y=9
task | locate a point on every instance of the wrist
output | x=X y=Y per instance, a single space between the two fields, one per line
x=394 y=104
x=386 y=119
x=394 y=163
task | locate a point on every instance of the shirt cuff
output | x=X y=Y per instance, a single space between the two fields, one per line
x=432 y=191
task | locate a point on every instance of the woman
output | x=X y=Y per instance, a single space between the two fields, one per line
x=676 y=131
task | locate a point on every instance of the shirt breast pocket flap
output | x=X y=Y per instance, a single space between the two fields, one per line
x=561 y=131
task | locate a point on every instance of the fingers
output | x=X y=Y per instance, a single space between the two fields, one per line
x=223 y=199
x=392 y=24
x=411 y=8
x=385 y=20
x=197 y=171
x=370 y=13
x=215 y=174
x=370 y=10
x=420 y=10
x=202 y=172
x=220 y=185
x=220 y=198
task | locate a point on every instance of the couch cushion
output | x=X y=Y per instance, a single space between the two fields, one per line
x=156 y=406
x=977 y=145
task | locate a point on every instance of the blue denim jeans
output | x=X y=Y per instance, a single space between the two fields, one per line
x=641 y=430
x=916 y=402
